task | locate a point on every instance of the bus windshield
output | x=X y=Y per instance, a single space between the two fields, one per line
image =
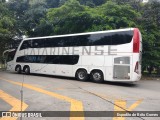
x=10 y=55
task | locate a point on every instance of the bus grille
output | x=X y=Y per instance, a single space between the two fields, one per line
x=121 y=68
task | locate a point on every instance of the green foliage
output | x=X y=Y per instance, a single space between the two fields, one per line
x=6 y=27
x=150 y=27
x=92 y=3
x=43 y=29
x=18 y=8
x=70 y=15
x=33 y=16
x=80 y=18
x=53 y=3
x=119 y=16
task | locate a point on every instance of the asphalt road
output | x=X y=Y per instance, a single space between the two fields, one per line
x=50 y=93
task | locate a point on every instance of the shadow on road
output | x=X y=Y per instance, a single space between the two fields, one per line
x=123 y=84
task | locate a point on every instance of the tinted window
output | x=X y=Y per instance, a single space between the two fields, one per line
x=115 y=38
x=54 y=42
x=112 y=38
x=49 y=59
x=101 y=39
x=67 y=41
x=122 y=37
x=81 y=40
x=26 y=44
x=38 y=43
x=11 y=55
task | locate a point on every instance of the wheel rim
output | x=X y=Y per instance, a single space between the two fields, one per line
x=81 y=75
x=97 y=76
x=26 y=70
x=18 y=69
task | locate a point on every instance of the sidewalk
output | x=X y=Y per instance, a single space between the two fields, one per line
x=151 y=77
x=2 y=69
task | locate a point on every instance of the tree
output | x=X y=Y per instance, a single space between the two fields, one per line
x=19 y=8
x=52 y=3
x=119 y=16
x=80 y=18
x=6 y=27
x=92 y=3
x=32 y=17
x=151 y=35
x=28 y=14
x=62 y=18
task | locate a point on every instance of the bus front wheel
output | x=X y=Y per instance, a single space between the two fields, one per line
x=81 y=75
x=97 y=76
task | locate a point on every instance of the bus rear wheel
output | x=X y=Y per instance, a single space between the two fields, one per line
x=26 y=70
x=18 y=69
x=97 y=76
x=81 y=75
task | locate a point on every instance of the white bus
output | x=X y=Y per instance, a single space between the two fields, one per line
x=113 y=55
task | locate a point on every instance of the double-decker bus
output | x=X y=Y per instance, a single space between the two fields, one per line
x=113 y=55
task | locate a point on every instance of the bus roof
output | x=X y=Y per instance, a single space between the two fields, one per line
x=86 y=33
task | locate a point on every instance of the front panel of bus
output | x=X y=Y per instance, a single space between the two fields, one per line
x=10 y=55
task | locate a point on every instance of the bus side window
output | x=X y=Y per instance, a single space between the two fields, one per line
x=51 y=42
x=26 y=44
x=38 y=43
x=81 y=40
x=35 y=44
x=122 y=37
x=101 y=39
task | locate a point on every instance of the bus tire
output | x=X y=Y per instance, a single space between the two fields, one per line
x=18 y=69
x=26 y=70
x=81 y=75
x=97 y=76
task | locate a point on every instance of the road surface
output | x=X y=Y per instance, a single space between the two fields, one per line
x=51 y=93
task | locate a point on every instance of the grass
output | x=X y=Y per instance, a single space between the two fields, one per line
x=152 y=76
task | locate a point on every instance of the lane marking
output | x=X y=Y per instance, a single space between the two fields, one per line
x=121 y=105
x=117 y=97
x=76 y=105
x=40 y=86
x=15 y=103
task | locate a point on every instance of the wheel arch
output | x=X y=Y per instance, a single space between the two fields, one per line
x=97 y=70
